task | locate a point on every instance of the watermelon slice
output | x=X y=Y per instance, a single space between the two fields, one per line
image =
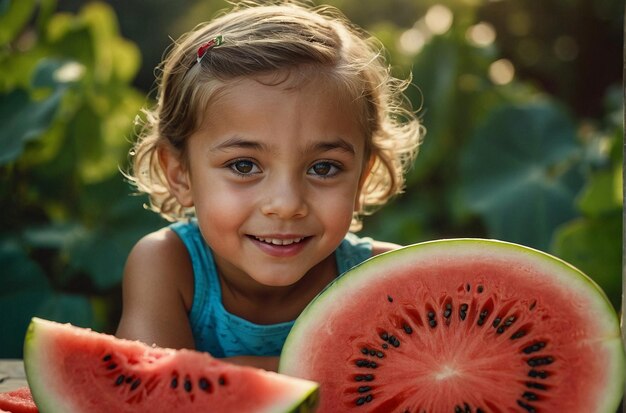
x=461 y=325
x=18 y=401
x=76 y=370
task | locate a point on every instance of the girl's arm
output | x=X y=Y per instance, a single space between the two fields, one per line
x=157 y=291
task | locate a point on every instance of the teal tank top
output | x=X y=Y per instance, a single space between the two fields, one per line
x=223 y=334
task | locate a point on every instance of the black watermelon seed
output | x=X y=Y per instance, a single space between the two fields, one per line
x=468 y=287
x=468 y=409
x=500 y=330
x=458 y=409
x=447 y=313
x=107 y=357
x=364 y=389
x=360 y=401
x=393 y=340
x=432 y=323
x=479 y=410
x=373 y=364
x=368 y=377
x=369 y=398
x=527 y=407
x=135 y=384
x=222 y=381
x=380 y=354
x=359 y=378
x=129 y=379
x=187 y=385
x=390 y=299
x=540 y=361
x=385 y=346
x=111 y=366
x=384 y=336
x=204 y=384
x=534 y=347
x=518 y=334
x=464 y=307
x=431 y=315
x=462 y=315
x=372 y=352
x=174 y=382
x=407 y=329
x=509 y=321
x=480 y=289
x=482 y=316
x=528 y=395
x=119 y=380
x=362 y=363
x=542 y=374
x=364 y=350
x=496 y=322
x=534 y=385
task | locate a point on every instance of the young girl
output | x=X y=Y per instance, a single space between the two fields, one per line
x=276 y=127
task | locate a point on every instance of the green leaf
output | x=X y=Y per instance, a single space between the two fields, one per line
x=14 y=15
x=519 y=172
x=67 y=308
x=603 y=193
x=594 y=246
x=23 y=120
x=435 y=72
x=24 y=287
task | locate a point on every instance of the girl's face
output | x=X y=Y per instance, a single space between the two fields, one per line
x=274 y=175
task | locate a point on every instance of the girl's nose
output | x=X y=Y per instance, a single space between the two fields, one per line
x=285 y=199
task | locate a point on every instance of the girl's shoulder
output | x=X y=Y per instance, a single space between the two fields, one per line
x=378 y=247
x=161 y=258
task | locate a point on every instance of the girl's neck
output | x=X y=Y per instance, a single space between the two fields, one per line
x=262 y=304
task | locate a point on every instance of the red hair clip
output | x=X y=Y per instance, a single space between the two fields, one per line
x=204 y=47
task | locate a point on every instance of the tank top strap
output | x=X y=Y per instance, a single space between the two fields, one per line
x=352 y=251
x=206 y=287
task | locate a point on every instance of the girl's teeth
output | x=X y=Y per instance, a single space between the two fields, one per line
x=276 y=241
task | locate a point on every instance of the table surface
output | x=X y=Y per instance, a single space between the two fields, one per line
x=12 y=375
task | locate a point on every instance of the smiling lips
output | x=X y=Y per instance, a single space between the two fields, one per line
x=281 y=246
x=280 y=241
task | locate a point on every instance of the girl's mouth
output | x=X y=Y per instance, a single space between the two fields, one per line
x=281 y=246
x=279 y=241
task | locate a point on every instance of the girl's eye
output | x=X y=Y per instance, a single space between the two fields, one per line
x=324 y=169
x=244 y=167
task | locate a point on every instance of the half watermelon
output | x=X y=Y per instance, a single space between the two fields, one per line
x=461 y=325
x=76 y=370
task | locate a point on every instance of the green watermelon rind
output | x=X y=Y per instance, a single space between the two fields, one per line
x=46 y=404
x=572 y=277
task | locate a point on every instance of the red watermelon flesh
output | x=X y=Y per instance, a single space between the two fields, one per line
x=18 y=401
x=76 y=370
x=460 y=326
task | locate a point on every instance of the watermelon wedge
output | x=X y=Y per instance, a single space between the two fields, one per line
x=18 y=401
x=76 y=370
x=463 y=325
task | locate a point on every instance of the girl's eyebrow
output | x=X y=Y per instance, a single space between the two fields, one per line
x=321 y=146
x=238 y=142
x=324 y=146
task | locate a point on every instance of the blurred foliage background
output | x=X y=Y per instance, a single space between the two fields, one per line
x=522 y=101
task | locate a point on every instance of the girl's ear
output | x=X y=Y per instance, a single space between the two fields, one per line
x=177 y=175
